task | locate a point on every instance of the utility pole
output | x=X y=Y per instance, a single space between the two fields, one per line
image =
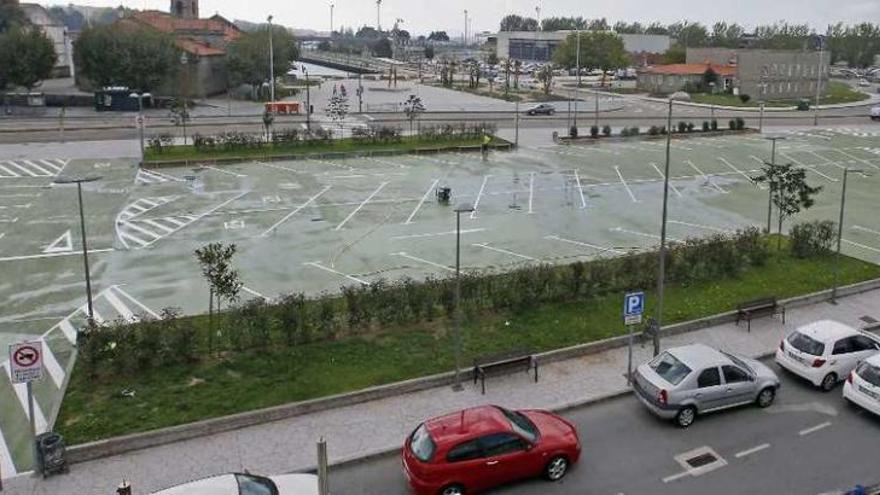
x=271 y=63
x=331 y=19
x=465 y=208
x=819 y=81
x=577 y=87
x=379 y=15
x=846 y=172
x=464 y=39
x=661 y=276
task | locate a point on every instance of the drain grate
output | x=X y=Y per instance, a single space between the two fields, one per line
x=701 y=460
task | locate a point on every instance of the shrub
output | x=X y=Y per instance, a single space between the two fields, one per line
x=682 y=127
x=158 y=143
x=690 y=127
x=606 y=130
x=653 y=130
x=714 y=124
x=573 y=131
x=663 y=129
x=594 y=131
x=624 y=132
x=634 y=131
x=744 y=98
x=706 y=126
x=732 y=124
x=814 y=238
x=740 y=123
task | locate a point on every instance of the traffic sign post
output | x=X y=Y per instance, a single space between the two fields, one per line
x=25 y=366
x=633 y=308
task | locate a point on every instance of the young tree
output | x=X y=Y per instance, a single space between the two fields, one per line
x=508 y=65
x=517 y=66
x=545 y=77
x=789 y=190
x=438 y=36
x=124 y=55
x=223 y=281
x=599 y=50
x=27 y=57
x=413 y=108
x=247 y=58
x=337 y=109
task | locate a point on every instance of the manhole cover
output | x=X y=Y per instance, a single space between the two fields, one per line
x=701 y=460
x=867 y=319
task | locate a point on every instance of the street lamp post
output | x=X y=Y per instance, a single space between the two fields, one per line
x=819 y=80
x=308 y=100
x=577 y=87
x=712 y=103
x=772 y=184
x=82 y=222
x=463 y=208
x=464 y=38
x=661 y=276
x=184 y=60
x=271 y=63
x=331 y=19
x=141 y=122
x=846 y=172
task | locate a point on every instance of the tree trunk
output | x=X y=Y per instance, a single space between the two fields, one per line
x=779 y=232
x=210 y=321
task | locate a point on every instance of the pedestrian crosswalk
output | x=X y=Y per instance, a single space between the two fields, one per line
x=135 y=231
x=145 y=176
x=43 y=167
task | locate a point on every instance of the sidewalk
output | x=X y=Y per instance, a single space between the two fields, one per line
x=381 y=425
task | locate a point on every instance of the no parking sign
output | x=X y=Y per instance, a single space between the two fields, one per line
x=26 y=361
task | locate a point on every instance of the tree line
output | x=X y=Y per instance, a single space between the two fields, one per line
x=27 y=55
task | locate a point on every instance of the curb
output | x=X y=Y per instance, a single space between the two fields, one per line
x=136 y=441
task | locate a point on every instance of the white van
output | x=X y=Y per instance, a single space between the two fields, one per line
x=875 y=113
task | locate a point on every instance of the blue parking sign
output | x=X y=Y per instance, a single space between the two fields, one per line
x=633 y=307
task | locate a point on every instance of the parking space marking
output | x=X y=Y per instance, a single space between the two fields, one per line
x=663 y=177
x=227 y=172
x=504 y=251
x=577 y=180
x=295 y=211
x=814 y=429
x=699 y=226
x=740 y=172
x=422 y=260
x=531 y=190
x=318 y=265
x=707 y=178
x=9 y=173
x=856 y=244
x=479 y=196
x=643 y=234
x=421 y=202
x=622 y=181
x=866 y=162
x=865 y=229
x=8 y=468
x=279 y=167
x=53 y=255
x=584 y=244
x=808 y=167
x=752 y=450
x=255 y=293
x=364 y=202
x=436 y=234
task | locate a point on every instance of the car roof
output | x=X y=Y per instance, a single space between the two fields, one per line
x=698 y=356
x=214 y=485
x=827 y=331
x=466 y=424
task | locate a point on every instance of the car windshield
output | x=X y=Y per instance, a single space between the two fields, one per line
x=869 y=373
x=421 y=444
x=739 y=362
x=805 y=344
x=669 y=368
x=255 y=485
x=521 y=424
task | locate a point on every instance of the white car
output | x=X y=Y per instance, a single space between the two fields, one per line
x=247 y=484
x=875 y=113
x=862 y=386
x=825 y=352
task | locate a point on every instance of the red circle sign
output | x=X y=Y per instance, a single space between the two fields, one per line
x=26 y=356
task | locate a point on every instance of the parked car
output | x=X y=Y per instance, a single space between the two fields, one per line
x=875 y=112
x=825 y=352
x=542 y=109
x=862 y=386
x=476 y=449
x=247 y=484
x=695 y=379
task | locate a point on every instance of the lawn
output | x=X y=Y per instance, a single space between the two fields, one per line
x=235 y=382
x=838 y=92
x=407 y=143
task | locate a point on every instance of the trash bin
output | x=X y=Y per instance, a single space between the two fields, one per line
x=51 y=454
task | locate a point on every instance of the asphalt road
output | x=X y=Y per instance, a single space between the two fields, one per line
x=816 y=443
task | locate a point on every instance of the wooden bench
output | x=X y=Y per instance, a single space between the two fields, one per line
x=502 y=364
x=759 y=307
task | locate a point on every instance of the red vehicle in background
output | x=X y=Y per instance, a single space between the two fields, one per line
x=479 y=448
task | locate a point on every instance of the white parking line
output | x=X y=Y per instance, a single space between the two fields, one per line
x=705 y=177
x=422 y=260
x=422 y=201
x=706 y=227
x=866 y=162
x=752 y=450
x=814 y=428
x=865 y=229
x=9 y=172
x=479 y=195
x=227 y=172
x=318 y=265
x=139 y=304
x=740 y=172
x=51 y=365
x=663 y=176
x=120 y=308
x=642 y=234
x=622 y=181
x=583 y=244
x=577 y=180
x=504 y=251
x=436 y=234
x=856 y=244
x=808 y=167
x=292 y=213
x=52 y=255
x=41 y=169
x=6 y=459
x=532 y=190
x=364 y=202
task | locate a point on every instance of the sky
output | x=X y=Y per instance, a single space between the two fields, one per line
x=423 y=16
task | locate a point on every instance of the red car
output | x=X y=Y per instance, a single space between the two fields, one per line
x=475 y=449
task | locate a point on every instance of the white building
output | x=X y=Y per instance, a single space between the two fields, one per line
x=39 y=17
x=539 y=46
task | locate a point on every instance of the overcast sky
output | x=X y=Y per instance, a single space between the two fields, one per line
x=421 y=16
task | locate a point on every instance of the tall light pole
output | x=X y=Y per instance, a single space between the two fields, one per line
x=772 y=184
x=577 y=88
x=819 y=80
x=184 y=115
x=271 y=62
x=331 y=19
x=308 y=100
x=846 y=172
x=141 y=122
x=82 y=222
x=464 y=38
x=463 y=208
x=661 y=276
x=379 y=15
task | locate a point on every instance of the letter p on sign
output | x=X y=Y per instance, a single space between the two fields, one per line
x=633 y=307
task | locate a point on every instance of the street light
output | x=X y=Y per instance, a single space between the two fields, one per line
x=271 y=63
x=846 y=172
x=712 y=102
x=308 y=99
x=184 y=60
x=577 y=88
x=141 y=122
x=331 y=19
x=821 y=41
x=82 y=222
x=661 y=276
x=464 y=37
x=772 y=184
x=462 y=208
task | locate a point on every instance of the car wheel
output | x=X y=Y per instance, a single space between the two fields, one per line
x=686 y=416
x=453 y=490
x=552 y=112
x=531 y=113
x=556 y=468
x=766 y=396
x=829 y=382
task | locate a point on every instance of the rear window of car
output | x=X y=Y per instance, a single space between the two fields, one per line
x=806 y=344
x=669 y=368
x=869 y=373
x=521 y=424
x=421 y=444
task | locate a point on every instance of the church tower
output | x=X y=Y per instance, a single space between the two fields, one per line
x=185 y=9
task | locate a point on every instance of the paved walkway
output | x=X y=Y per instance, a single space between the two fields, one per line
x=380 y=425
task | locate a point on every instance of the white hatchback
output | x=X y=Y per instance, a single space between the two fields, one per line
x=825 y=352
x=875 y=113
x=862 y=386
x=247 y=484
